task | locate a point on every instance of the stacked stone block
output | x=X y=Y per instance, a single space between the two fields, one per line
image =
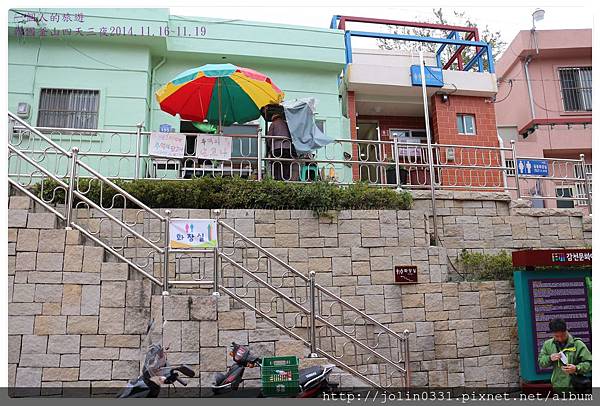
x=77 y=318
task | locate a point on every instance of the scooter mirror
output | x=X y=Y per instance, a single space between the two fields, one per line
x=187 y=371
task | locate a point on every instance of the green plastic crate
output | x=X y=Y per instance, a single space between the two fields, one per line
x=280 y=376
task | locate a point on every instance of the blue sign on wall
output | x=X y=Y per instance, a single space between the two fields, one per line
x=165 y=128
x=433 y=76
x=536 y=167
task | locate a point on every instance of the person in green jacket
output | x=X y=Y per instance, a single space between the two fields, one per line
x=578 y=357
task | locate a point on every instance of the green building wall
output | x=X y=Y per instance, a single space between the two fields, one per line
x=128 y=69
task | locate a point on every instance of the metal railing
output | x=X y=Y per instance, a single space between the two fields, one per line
x=401 y=163
x=294 y=302
x=90 y=202
x=455 y=42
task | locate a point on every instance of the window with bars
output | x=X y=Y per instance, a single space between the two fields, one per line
x=510 y=166
x=576 y=88
x=68 y=108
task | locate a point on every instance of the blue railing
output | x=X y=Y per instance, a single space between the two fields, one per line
x=483 y=49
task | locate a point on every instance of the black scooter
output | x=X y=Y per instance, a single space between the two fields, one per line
x=312 y=381
x=155 y=372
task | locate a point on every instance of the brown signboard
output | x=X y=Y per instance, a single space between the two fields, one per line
x=405 y=274
x=552 y=257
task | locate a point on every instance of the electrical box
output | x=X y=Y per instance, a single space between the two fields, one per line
x=23 y=110
x=450 y=156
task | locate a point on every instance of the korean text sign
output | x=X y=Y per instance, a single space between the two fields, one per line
x=168 y=145
x=192 y=233
x=215 y=147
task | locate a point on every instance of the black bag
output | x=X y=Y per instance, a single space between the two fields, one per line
x=581 y=383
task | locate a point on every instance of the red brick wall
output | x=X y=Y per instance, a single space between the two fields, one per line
x=444 y=129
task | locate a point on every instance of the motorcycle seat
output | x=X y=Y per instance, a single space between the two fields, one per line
x=307 y=374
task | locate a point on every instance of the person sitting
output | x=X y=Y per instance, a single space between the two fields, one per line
x=280 y=147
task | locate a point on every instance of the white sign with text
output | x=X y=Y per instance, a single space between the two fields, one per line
x=167 y=145
x=215 y=147
x=192 y=233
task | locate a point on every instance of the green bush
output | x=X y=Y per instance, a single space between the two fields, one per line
x=477 y=266
x=236 y=193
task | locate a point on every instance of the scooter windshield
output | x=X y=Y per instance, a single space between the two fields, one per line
x=152 y=352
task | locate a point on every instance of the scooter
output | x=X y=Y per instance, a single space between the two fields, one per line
x=155 y=372
x=312 y=381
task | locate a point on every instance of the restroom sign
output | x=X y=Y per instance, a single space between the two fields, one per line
x=535 y=167
x=192 y=233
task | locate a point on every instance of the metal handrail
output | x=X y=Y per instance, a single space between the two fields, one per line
x=357 y=310
x=71 y=190
x=312 y=313
x=325 y=322
x=73 y=224
x=38 y=133
x=261 y=249
x=121 y=190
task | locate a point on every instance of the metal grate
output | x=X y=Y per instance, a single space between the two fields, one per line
x=576 y=88
x=580 y=187
x=68 y=108
x=510 y=167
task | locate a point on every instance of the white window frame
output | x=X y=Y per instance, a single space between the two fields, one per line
x=462 y=116
x=409 y=131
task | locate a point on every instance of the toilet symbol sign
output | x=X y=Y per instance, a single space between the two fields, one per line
x=535 y=167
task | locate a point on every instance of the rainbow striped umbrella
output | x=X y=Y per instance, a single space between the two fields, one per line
x=220 y=93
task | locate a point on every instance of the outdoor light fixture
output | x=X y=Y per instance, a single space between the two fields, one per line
x=538 y=15
x=445 y=98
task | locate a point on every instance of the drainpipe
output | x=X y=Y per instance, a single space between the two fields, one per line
x=152 y=74
x=527 y=79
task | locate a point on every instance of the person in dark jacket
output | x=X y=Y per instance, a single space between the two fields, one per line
x=568 y=356
x=280 y=148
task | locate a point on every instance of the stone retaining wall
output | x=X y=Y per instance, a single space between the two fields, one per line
x=77 y=319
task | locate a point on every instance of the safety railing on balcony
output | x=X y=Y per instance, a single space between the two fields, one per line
x=400 y=163
x=455 y=40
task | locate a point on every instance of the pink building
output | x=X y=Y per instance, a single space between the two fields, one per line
x=544 y=103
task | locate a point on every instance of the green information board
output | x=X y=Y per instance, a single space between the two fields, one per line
x=534 y=290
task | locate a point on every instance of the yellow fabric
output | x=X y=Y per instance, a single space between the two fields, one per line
x=168 y=89
x=261 y=93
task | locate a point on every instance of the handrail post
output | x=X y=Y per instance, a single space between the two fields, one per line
x=586 y=184
x=138 y=148
x=217 y=213
x=397 y=162
x=72 y=180
x=407 y=361
x=313 y=306
x=166 y=253
x=516 y=163
x=429 y=148
x=259 y=159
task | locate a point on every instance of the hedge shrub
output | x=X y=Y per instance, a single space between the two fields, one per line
x=477 y=266
x=236 y=193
